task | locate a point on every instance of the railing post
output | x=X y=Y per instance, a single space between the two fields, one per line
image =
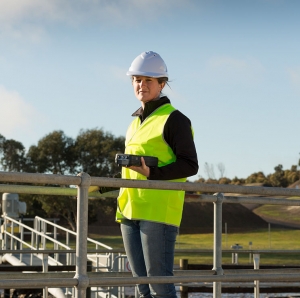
x=6 y=293
x=12 y=241
x=217 y=286
x=44 y=231
x=38 y=236
x=4 y=244
x=256 y=259
x=21 y=244
x=184 y=290
x=235 y=255
x=2 y=232
x=45 y=270
x=81 y=239
x=56 y=257
x=89 y=265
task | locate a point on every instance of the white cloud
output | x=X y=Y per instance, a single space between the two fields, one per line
x=119 y=73
x=227 y=63
x=235 y=65
x=37 y=13
x=294 y=75
x=228 y=69
x=15 y=11
x=17 y=117
x=25 y=19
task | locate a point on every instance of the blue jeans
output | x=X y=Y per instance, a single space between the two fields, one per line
x=150 y=250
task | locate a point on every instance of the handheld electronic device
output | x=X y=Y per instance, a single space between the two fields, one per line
x=127 y=160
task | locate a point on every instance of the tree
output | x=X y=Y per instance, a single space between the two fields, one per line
x=221 y=169
x=95 y=152
x=278 y=179
x=209 y=171
x=292 y=175
x=53 y=154
x=12 y=155
x=2 y=140
x=258 y=177
x=224 y=180
x=61 y=206
x=237 y=181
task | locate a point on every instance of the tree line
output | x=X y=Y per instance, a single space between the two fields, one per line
x=279 y=178
x=93 y=151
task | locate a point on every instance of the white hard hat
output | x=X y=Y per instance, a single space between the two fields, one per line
x=148 y=64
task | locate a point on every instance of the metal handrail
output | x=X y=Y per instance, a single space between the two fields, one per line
x=96 y=253
x=33 y=231
x=148 y=184
x=82 y=279
x=179 y=251
x=197 y=273
x=72 y=232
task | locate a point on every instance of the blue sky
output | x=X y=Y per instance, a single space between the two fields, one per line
x=234 y=68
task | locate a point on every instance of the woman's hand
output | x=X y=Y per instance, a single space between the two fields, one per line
x=143 y=169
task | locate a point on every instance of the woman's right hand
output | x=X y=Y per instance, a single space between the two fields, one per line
x=143 y=169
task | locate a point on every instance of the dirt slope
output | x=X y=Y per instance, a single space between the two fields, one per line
x=197 y=218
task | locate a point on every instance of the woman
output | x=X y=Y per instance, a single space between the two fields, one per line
x=149 y=217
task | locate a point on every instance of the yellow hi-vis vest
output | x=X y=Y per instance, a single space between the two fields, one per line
x=163 y=206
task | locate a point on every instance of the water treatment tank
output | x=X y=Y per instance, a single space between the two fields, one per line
x=11 y=206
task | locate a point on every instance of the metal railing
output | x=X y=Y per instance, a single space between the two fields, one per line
x=44 y=235
x=83 y=279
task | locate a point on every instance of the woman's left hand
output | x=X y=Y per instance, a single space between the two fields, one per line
x=143 y=169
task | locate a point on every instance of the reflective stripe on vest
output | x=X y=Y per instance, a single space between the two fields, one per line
x=164 y=206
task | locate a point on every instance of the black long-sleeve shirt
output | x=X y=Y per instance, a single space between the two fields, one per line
x=178 y=134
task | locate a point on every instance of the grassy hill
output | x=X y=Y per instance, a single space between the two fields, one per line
x=280 y=214
x=197 y=218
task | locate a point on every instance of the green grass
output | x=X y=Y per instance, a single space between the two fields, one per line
x=286 y=214
x=261 y=239
x=276 y=239
x=115 y=242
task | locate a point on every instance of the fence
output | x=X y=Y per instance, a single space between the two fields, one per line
x=44 y=234
x=82 y=279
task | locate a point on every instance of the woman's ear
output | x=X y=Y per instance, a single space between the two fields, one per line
x=163 y=84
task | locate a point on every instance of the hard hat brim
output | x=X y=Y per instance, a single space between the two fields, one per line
x=146 y=74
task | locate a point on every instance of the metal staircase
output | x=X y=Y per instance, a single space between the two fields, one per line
x=45 y=244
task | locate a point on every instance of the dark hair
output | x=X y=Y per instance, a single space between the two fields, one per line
x=163 y=80
x=160 y=80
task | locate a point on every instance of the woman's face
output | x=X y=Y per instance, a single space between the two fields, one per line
x=146 y=88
